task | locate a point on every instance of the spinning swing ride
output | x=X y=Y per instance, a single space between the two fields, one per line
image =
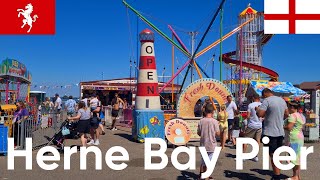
x=246 y=66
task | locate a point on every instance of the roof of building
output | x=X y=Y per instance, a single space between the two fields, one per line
x=116 y=82
x=315 y=85
x=248 y=10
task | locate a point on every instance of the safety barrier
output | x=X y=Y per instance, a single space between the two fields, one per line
x=124 y=118
x=40 y=129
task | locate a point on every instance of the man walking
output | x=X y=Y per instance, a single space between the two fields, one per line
x=274 y=110
x=115 y=110
x=70 y=106
x=254 y=127
x=231 y=108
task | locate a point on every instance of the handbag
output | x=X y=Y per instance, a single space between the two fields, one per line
x=94 y=120
x=65 y=131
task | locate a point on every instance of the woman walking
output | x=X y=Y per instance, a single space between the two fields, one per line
x=83 y=117
x=223 y=124
x=295 y=124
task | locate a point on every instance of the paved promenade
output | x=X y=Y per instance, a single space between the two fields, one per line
x=225 y=168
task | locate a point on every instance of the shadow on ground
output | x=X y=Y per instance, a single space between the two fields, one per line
x=187 y=175
x=267 y=173
x=126 y=136
x=228 y=155
x=239 y=175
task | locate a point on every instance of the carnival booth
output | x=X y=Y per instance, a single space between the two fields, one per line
x=288 y=92
x=184 y=128
x=15 y=81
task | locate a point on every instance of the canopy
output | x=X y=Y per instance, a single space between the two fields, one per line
x=281 y=88
x=11 y=68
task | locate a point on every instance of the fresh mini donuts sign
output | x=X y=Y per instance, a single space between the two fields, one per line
x=178 y=132
x=197 y=90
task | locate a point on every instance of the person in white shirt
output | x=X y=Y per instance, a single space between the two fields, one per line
x=58 y=105
x=85 y=100
x=231 y=108
x=254 y=127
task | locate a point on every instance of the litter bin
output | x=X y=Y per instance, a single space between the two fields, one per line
x=3 y=139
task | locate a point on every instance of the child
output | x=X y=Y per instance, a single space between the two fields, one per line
x=208 y=129
x=94 y=103
x=236 y=126
x=244 y=127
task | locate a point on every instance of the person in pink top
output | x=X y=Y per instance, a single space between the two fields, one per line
x=208 y=129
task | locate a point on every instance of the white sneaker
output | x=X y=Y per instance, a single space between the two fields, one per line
x=91 y=142
x=256 y=159
x=97 y=143
x=114 y=129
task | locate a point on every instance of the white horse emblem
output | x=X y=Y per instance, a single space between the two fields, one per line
x=27 y=16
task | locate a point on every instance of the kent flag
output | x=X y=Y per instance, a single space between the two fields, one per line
x=27 y=17
x=292 y=16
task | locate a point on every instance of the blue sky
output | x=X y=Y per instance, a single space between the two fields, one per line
x=93 y=37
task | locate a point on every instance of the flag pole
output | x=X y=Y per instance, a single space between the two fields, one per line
x=221 y=28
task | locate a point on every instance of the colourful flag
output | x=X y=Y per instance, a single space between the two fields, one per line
x=27 y=17
x=292 y=16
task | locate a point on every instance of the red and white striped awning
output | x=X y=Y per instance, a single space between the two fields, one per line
x=306 y=96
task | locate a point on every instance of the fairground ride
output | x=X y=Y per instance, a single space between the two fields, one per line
x=192 y=56
x=245 y=64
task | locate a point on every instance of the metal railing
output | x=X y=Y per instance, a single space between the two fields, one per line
x=124 y=119
x=40 y=127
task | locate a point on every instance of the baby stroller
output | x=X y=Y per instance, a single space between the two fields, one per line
x=66 y=129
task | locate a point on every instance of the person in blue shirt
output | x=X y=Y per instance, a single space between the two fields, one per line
x=70 y=106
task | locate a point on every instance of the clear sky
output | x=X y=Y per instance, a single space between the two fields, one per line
x=93 y=37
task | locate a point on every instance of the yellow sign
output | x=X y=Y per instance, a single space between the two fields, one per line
x=197 y=90
x=178 y=132
x=193 y=124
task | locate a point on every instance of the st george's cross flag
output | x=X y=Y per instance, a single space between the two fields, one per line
x=292 y=16
x=27 y=17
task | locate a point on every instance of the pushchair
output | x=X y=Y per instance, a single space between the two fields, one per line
x=66 y=129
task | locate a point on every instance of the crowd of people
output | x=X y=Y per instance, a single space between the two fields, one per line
x=89 y=116
x=267 y=116
x=270 y=117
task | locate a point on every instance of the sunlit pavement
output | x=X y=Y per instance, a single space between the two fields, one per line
x=225 y=168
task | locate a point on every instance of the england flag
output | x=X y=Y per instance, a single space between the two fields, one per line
x=292 y=16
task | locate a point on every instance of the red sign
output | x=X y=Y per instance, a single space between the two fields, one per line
x=27 y=17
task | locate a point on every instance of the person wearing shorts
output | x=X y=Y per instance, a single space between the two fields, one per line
x=208 y=129
x=274 y=110
x=83 y=118
x=231 y=107
x=236 y=126
x=95 y=130
x=115 y=110
x=254 y=126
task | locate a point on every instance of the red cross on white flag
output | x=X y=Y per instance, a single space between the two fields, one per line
x=292 y=16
